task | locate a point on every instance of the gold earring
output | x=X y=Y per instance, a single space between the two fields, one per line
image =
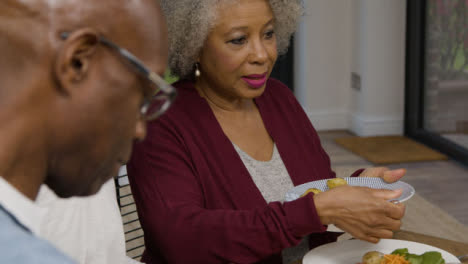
x=197 y=70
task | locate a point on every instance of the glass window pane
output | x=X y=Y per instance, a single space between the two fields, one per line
x=446 y=79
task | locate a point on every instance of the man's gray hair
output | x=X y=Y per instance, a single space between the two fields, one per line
x=189 y=23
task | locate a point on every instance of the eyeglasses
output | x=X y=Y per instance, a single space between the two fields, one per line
x=163 y=95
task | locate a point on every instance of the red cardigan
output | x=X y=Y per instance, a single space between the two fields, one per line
x=196 y=200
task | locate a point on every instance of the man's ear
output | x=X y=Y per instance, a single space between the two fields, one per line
x=74 y=58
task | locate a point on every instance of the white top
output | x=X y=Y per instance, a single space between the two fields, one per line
x=20 y=206
x=273 y=181
x=19 y=222
x=89 y=229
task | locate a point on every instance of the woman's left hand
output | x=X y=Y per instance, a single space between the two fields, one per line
x=385 y=173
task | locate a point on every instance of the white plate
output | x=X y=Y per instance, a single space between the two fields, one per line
x=351 y=251
x=376 y=183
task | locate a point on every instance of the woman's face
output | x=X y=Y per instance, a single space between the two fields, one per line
x=239 y=53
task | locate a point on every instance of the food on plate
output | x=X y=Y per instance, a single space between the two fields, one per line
x=331 y=183
x=336 y=182
x=311 y=190
x=372 y=257
x=402 y=256
x=394 y=259
x=430 y=257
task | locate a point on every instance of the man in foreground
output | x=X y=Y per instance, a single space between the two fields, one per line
x=71 y=104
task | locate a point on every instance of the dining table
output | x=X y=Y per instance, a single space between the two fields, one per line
x=454 y=247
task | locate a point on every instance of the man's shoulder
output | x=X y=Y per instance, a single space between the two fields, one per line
x=17 y=245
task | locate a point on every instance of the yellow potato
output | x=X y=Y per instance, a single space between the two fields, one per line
x=372 y=257
x=336 y=182
x=311 y=190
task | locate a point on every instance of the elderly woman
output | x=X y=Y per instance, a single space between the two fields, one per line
x=210 y=178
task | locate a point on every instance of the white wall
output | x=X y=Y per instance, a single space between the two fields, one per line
x=322 y=56
x=338 y=37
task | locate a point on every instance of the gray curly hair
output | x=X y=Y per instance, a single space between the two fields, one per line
x=189 y=23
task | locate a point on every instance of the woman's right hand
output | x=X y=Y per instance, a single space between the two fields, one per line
x=363 y=212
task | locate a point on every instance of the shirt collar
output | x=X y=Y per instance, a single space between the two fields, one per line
x=21 y=207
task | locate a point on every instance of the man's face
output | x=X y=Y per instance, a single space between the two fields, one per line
x=105 y=115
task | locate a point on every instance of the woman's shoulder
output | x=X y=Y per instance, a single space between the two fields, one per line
x=187 y=98
x=277 y=89
x=186 y=109
x=185 y=89
x=276 y=84
x=278 y=93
